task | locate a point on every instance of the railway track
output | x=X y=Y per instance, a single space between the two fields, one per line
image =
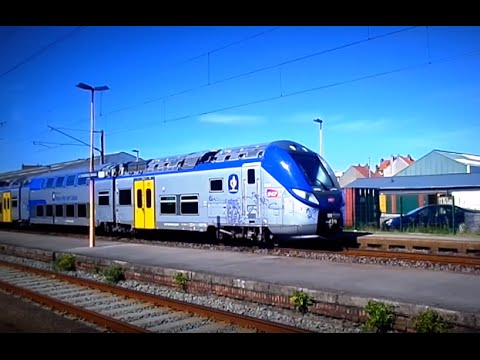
x=123 y=310
x=446 y=252
x=392 y=254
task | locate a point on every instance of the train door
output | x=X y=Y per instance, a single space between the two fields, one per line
x=251 y=192
x=6 y=207
x=144 y=201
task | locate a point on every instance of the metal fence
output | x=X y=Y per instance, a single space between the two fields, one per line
x=368 y=210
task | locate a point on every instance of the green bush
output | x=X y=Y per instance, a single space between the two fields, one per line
x=301 y=301
x=181 y=280
x=430 y=321
x=380 y=317
x=114 y=274
x=65 y=263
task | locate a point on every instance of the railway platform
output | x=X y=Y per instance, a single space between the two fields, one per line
x=270 y=279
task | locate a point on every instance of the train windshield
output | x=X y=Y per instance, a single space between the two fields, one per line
x=316 y=172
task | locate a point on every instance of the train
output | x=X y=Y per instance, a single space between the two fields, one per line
x=277 y=190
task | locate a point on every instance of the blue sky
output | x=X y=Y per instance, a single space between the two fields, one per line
x=380 y=90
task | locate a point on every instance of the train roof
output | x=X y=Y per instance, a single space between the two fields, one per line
x=191 y=160
x=120 y=165
x=16 y=177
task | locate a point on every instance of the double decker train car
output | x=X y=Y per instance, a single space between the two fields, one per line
x=277 y=190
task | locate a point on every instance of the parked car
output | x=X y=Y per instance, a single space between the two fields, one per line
x=433 y=216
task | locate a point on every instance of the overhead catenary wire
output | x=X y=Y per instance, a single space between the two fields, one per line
x=236 y=42
x=265 y=68
x=40 y=51
x=272 y=98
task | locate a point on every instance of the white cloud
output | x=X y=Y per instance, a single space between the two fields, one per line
x=307 y=117
x=231 y=119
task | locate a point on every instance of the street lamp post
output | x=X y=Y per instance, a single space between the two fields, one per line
x=137 y=152
x=92 y=89
x=321 y=135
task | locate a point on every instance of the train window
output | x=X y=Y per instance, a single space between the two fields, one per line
x=216 y=185
x=251 y=176
x=139 y=199
x=49 y=183
x=70 y=210
x=81 y=181
x=82 y=210
x=59 y=181
x=49 y=210
x=39 y=210
x=14 y=202
x=125 y=197
x=70 y=180
x=189 y=204
x=148 y=195
x=168 y=205
x=103 y=198
x=37 y=184
x=59 y=210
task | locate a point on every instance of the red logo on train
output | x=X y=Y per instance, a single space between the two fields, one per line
x=272 y=193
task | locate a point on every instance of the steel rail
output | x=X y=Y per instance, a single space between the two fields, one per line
x=219 y=315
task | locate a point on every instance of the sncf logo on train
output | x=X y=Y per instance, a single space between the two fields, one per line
x=272 y=193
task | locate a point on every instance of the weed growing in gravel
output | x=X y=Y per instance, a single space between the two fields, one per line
x=181 y=280
x=64 y=263
x=380 y=317
x=430 y=321
x=301 y=301
x=97 y=270
x=114 y=274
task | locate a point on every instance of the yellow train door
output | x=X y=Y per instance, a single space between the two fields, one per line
x=144 y=201
x=6 y=203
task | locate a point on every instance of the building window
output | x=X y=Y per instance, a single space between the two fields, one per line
x=168 y=205
x=103 y=198
x=216 y=185
x=125 y=197
x=189 y=205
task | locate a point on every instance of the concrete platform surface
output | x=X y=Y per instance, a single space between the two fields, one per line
x=446 y=290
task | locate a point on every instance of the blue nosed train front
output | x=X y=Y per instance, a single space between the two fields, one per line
x=326 y=190
x=312 y=187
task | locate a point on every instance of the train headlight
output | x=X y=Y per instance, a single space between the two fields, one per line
x=306 y=195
